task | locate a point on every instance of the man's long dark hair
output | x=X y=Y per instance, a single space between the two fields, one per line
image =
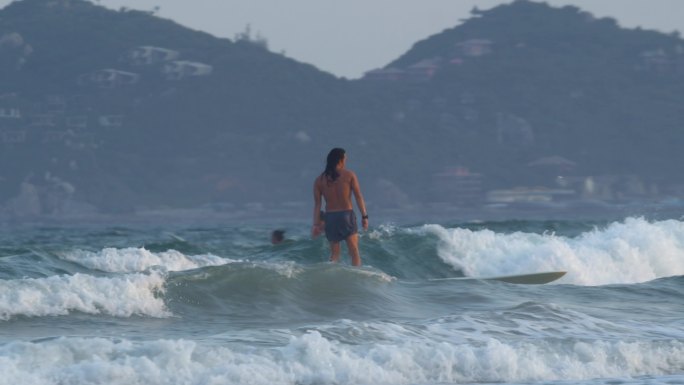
x=334 y=157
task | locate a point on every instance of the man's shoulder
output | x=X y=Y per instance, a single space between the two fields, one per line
x=348 y=173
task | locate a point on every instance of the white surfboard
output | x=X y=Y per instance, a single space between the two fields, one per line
x=523 y=279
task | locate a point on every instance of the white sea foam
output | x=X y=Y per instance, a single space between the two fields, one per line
x=313 y=359
x=632 y=251
x=120 y=296
x=384 y=230
x=130 y=260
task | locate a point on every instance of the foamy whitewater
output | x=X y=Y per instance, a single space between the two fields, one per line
x=221 y=305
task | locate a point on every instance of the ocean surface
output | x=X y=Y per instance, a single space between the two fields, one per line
x=173 y=304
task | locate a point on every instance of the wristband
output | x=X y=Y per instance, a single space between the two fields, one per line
x=364 y=216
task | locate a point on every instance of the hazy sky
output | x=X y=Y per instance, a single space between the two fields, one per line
x=350 y=37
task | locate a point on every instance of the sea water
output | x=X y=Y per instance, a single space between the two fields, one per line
x=221 y=305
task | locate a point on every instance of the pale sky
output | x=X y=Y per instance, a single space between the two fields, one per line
x=350 y=37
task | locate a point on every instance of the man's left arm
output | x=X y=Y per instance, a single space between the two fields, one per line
x=356 y=190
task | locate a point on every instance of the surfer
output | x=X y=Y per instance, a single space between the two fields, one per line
x=336 y=185
x=277 y=236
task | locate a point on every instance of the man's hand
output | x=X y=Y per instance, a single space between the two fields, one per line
x=316 y=230
x=364 y=223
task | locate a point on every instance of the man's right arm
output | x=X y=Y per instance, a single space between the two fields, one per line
x=315 y=230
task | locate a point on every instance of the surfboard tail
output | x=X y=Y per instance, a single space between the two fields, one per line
x=530 y=279
x=520 y=279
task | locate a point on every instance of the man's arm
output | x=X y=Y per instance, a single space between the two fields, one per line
x=356 y=190
x=316 y=230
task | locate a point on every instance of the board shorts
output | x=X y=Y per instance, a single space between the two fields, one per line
x=339 y=225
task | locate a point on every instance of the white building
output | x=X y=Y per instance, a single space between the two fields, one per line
x=10 y=113
x=474 y=47
x=110 y=120
x=148 y=55
x=424 y=69
x=43 y=120
x=109 y=78
x=180 y=69
x=13 y=136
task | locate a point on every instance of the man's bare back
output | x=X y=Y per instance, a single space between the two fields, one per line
x=337 y=194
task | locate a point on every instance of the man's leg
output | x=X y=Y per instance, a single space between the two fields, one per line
x=353 y=246
x=334 y=252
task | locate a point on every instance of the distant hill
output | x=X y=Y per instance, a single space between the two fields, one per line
x=180 y=135
x=525 y=81
x=123 y=110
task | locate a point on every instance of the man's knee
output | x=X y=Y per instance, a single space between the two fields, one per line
x=353 y=243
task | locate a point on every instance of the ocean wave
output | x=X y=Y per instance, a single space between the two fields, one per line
x=254 y=274
x=236 y=287
x=136 y=294
x=310 y=358
x=272 y=295
x=245 y=286
x=631 y=251
x=132 y=259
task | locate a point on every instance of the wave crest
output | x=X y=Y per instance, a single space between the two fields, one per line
x=132 y=259
x=632 y=251
x=313 y=359
x=136 y=294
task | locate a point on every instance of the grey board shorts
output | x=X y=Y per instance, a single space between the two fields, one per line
x=339 y=225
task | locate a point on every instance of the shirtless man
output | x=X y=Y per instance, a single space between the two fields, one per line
x=336 y=185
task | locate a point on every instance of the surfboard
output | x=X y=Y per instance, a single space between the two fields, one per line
x=522 y=279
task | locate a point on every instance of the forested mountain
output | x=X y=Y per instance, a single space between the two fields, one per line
x=124 y=110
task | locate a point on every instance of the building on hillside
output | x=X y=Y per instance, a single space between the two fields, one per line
x=678 y=58
x=527 y=195
x=82 y=141
x=552 y=167
x=10 y=113
x=108 y=78
x=178 y=69
x=43 y=120
x=474 y=47
x=55 y=104
x=611 y=188
x=78 y=121
x=13 y=136
x=149 y=55
x=423 y=70
x=619 y=188
x=385 y=74
x=457 y=185
x=10 y=107
x=110 y=120
x=655 y=60
x=55 y=136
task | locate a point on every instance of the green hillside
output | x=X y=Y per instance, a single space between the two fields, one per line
x=590 y=91
x=133 y=111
